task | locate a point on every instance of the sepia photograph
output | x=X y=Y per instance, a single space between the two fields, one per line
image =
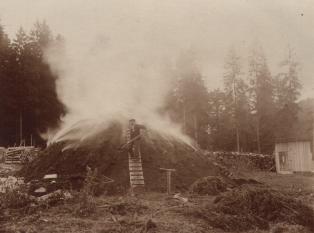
x=156 y=116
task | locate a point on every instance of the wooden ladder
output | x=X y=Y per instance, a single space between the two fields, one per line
x=136 y=171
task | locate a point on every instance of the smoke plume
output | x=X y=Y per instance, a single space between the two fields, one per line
x=114 y=73
x=119 y=52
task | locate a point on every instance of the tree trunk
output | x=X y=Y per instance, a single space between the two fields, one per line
x=184 y=119
x=238 y=139
x=195 y=128
x=258 y=136
x=236 y=115
x=21 y=129
x=313 y=137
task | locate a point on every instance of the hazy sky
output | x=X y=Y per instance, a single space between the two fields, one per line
x=166 y=27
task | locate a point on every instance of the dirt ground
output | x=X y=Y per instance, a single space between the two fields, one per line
x=147 y=212
x=299 y=186
x=8 y=169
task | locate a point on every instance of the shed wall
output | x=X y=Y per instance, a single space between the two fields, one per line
x=299 y=155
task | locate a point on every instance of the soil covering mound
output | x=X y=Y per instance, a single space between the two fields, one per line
x=101 y=152
x=255 y=206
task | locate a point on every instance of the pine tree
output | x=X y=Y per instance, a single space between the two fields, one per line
x=188 y=101
x=236 y=94
x=193 y=99
x=30 y=101
x=262 y=100
x=220 y=122
x=6 y=102
x=287 y=93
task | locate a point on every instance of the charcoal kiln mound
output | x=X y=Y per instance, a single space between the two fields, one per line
x=70 y=159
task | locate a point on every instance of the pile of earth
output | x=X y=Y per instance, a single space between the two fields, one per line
x=214 y=185
x=101 y=152
x=254 y=206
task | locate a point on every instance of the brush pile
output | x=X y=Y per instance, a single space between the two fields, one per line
x=255 y=206
x=10 y=183
x=210 y=185
x=213 y=185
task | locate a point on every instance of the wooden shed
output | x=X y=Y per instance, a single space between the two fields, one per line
x=294 y=156
x=2 y=154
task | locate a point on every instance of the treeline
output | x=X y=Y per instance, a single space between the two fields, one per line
x=254 y=109
x=28 y=98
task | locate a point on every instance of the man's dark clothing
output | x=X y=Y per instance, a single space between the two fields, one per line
x=134 y=147
x=136 y=131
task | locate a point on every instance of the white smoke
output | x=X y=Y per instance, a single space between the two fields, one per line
x=119 y=52
x=166 y=27
x=113 y=75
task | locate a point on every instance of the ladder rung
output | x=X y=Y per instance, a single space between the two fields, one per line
x=136 y=169
x=135 y=161
x=131 y=162
x=136 y=178
x=137 y=185
x=136 y=173
x=137 y=182
x=135 y=165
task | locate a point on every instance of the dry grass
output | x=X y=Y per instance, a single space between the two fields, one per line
x=148 y=212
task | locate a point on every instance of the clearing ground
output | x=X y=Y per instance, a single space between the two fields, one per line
x=146 y=212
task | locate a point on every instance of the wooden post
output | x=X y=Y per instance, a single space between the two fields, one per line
x=258 y=138
x=184 y=119
x=168 y=173
x=195 y=128
x=21 y=129
x=312 y=137
x=236 y=115
x=168 y=182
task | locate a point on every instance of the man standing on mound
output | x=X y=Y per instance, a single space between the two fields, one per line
x=133 y=136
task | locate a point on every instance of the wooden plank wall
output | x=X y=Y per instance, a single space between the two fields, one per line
x=299 y=155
